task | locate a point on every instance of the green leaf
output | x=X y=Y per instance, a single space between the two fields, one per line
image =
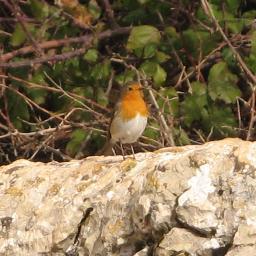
x=140 y=36
x=77 y=137
x=148 y=67
x=91 y=55
x=233 y=5
x=37 y=95
x=198 y=42
x=253 y=40
x=160 y=75
x=86 y=91
x=234 y=24
x=38 y=77
x=194 y=104
x=154 y=70
x=251 y=60
x=169 y=98
x=134 y=16
x=221 y=119
x=125 y=77
x=94 y=9
x=229 y=57
x=181 y=136
x=171 y=32
x=101 y=97
x=150 y=50
x=222 y=83
x=228 y=16
x=152 y=131
x=161 y=57
x=248 y=17
x=18 y=36
x=101 y=71
x=143 y=1
x=39 y=9
x=17 y=109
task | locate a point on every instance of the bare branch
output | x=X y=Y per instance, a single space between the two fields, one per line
x=86 y=39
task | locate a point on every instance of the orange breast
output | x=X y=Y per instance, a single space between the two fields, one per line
x=132 y=104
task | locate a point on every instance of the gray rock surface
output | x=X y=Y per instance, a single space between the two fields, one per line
x=193 y=200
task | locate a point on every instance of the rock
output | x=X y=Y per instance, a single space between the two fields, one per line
x=244 y=240
x=245 y=235
x=193 y=200
x=182 y=240
x=242 y=251
x=144 y=252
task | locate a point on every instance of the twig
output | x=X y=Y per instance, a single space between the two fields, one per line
x=167 y=130
x=58 y=153
x=99 y=115
x=110 y=82
x=26 y=19
x=204 y=63
x=55 y=58
x=83 y=145
x=47 y=131
x=40 y=146
x=252 y=117
x=199 y=135
x=213 y=56
x=183 y=68
x=239 y=114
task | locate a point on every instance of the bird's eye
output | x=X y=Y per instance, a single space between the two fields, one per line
x=129 y=88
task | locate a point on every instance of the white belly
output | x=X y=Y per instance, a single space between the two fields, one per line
x=127 y=131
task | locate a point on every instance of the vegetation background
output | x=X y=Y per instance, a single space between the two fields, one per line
x=63 y=62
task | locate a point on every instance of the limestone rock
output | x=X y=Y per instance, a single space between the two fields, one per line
x=242 y=251
x=193 y=200
x=182 y=240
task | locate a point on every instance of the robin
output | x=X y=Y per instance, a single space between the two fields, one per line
x=129 y=120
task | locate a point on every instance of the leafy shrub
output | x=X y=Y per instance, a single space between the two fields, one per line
x=62 y=66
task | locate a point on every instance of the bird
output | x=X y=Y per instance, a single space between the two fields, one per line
x=129 y=120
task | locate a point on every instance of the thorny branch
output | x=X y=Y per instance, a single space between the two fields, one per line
x=22 y=140
x=86 y=39
x=208 y=10
x=58 y=90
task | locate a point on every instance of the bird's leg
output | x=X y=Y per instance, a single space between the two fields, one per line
x=122 y=149
x=133 y=152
